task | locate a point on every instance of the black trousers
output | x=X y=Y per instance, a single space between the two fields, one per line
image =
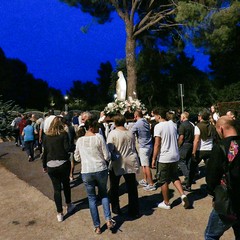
x=60 y=177
x=29 y=148
x=131 y=184
x=16 y=134
x=205 y=155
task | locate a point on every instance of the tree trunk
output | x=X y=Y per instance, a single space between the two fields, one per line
x=131 y=62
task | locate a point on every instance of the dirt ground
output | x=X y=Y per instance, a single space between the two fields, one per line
x=28 y=211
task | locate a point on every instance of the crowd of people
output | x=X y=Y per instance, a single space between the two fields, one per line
x=110 y=148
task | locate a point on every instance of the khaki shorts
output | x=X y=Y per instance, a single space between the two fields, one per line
x=167 y=172
x=144 y=155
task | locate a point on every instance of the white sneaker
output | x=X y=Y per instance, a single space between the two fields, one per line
x=70 y=208
x=60 y=217
x=143 y=183
x=163 y=205
x=185 y=201
x=150 y=188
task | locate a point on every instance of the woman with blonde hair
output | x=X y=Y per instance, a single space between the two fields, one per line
x=57 y=164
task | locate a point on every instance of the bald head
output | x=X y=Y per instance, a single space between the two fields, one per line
x=226 y=127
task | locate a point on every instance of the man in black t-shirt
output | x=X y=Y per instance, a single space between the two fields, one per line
x=185 y=144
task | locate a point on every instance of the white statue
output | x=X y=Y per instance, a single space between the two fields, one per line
x=121 y=87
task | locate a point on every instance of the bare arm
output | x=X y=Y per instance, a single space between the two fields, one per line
x=180 y=140
x=156 y=150
x=195 y=144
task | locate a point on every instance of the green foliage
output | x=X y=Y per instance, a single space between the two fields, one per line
x=159 y=74
x=8 y=110
x=220 y=37
x=78 y=104
x=104 y=82
x=222 y=32
x=218 y=27
x=100 y=10
x=84 y=93
x=229 y=93
x=190 y=13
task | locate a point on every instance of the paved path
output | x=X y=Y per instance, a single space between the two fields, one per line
x=28 y=212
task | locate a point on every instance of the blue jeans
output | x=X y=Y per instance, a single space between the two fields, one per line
x=92 y=180
x=217 y=226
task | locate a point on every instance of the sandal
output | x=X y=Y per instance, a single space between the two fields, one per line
x=97 y=230
x=111 y=224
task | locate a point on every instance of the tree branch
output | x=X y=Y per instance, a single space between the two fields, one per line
x=145 y=19
x=157 y=18
x=118 y=9
x=125 y=6
x=151 y=3
x=134 y=6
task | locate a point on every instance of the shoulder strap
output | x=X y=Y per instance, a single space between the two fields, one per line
x=231 y=158
x=226 y=175
x=222 y=147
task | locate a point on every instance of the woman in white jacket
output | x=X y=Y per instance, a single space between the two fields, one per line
x=91 y=150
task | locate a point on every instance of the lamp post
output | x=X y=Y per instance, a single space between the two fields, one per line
x=181 y=94
x=66 y=105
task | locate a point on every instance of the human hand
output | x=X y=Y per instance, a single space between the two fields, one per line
x=153 y=163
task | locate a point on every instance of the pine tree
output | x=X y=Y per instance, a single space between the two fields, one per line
x=8 y=110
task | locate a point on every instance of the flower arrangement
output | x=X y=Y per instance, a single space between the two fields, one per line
x=123 y=106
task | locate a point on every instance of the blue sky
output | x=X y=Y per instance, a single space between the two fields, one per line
x=47 y=36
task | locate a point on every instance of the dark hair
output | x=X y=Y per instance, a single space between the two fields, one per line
x=119 y=120
x=160 y=111
x=205 y=114
x=139 y=113
x=28 y=122
x=91 y=123
x=65 y=121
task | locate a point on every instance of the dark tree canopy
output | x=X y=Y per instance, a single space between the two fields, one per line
x=19 y=85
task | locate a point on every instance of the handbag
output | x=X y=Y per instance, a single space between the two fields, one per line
x=115 y=156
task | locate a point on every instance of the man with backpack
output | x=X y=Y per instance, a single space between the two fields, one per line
x=224 y=167
x=204 y=134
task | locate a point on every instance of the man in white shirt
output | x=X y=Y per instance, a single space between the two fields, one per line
x=167 y=154
x=204 y=133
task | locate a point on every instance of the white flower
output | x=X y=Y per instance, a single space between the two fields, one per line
x=110 y=105
x=124 y=106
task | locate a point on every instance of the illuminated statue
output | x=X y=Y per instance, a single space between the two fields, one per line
x=121 y=87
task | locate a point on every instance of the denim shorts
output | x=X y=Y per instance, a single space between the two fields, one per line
x=167 y=172
x=144 y=155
